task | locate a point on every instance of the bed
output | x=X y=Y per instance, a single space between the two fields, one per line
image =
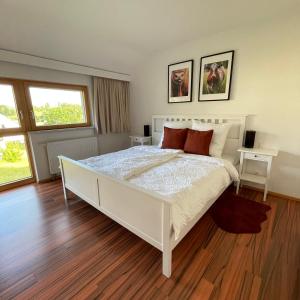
x=136 y=187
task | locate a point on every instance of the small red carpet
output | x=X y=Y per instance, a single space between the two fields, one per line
x=236 y=214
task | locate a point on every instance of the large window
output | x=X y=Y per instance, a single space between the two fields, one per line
x=30 y=105
x=15 y=159
x=57 y=106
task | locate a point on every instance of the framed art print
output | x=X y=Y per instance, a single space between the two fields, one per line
x=180 y=82
x=215 y=76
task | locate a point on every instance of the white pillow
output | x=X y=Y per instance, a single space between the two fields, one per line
x=219 y=136
x=175 y=125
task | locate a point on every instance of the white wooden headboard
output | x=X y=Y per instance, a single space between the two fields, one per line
x=235 y=136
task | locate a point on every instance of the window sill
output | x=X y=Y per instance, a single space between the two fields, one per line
x=61 y=129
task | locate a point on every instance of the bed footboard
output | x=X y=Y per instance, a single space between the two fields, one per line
x=80 y=181
x=145 y=215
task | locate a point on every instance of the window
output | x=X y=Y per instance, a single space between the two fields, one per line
x=15 y=157
x=9 y=117
x=57 y=106
x=30 y=105
x=14 y=160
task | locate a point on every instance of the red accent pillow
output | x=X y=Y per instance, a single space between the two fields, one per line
x=197 y=142
x=174 y=138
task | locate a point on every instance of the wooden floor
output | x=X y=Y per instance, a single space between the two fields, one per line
x=49 y=252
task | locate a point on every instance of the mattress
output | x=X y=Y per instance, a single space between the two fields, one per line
x=189 y=182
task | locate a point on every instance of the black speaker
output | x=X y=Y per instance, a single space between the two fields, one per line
x=249 y=139
x=146 y=130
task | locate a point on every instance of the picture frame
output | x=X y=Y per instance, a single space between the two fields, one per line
x=215 y=76
x=180 y=81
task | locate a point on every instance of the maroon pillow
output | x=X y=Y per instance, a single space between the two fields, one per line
x=174 y=138
x=197 y=142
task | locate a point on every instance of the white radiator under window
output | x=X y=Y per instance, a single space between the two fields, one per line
x=76 y=149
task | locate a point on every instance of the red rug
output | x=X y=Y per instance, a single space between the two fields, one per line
x=236 y=214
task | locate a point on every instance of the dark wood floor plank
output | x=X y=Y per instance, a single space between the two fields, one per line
x=92 y=277
x=50 y=252
x=188 y=280
x=203 y=290
x=68 y=271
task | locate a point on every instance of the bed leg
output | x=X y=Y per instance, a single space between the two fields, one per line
x=65 y=196
x=63 y=183
x=167 y=263
x=167 y=250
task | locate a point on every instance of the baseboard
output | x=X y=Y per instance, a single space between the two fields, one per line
x=16 y=184
x=274 y=194
x=50 y=179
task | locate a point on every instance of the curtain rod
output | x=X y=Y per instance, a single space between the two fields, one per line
x=50 y=63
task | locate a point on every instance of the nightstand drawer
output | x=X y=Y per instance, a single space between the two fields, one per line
x=254 y=156
x=137 y=139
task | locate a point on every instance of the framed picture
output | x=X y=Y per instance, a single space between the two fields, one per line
x=215 y=76
x=180 y=81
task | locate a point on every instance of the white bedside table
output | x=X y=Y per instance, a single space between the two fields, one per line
x=136 y=139
x=263 y=155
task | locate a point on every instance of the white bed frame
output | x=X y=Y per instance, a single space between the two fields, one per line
x=146 y=214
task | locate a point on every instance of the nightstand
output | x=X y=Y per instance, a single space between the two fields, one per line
x=135 y=139
x=256 y=154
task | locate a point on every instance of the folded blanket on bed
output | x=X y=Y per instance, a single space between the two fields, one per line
x=130 y=167
x=131 y=162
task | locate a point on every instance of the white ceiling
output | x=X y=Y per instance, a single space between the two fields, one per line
x=114 y=34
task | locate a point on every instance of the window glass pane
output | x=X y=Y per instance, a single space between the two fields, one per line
x=14 y=163
x=57 y=107
x=8 y=111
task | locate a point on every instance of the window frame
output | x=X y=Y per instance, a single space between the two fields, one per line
x=20 y=108
x=72 y=87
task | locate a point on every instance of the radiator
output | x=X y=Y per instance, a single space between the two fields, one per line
x=75 y=149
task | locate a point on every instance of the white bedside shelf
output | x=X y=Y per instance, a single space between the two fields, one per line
x=141 y=140
x=256 y=154
x=253 y=178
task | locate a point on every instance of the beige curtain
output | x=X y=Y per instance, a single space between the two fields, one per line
x=111 y=105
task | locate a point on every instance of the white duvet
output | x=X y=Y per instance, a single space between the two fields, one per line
x=189 y=182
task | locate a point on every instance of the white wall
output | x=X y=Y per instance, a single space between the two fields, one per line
x=107 y=143
x=265 y=84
